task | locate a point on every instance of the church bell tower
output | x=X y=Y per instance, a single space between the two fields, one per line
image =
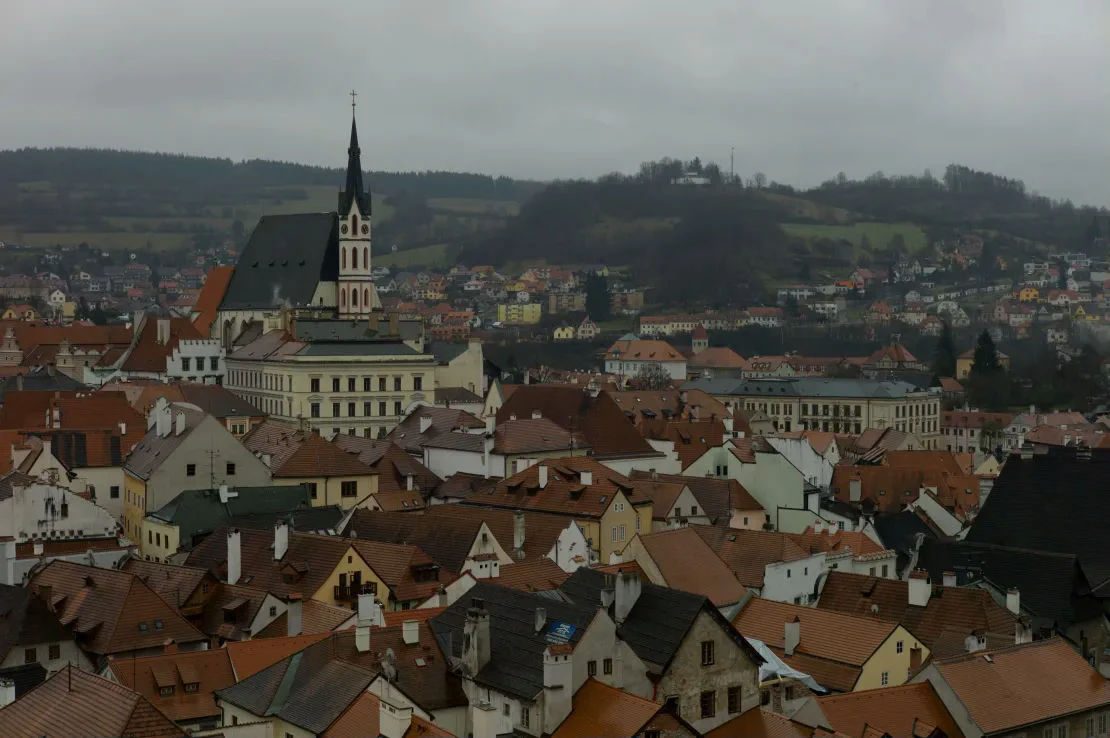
x=356 y=295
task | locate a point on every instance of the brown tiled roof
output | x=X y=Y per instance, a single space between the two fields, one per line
x=691 y=438
x=147 y=355
x=214 y=399
x=210 y=297
x=111 y=611
x=599 y=419
x=210 y=670
x=717 y=357
x=399 y=500
x=662 y=495
x=407 y=434
x=231 y=609
x=565 y=494
x=748 y=552
x=973 y=419
x=529 y=435
x=33 y=411
x=643 y=349
x=757 y=723
x=421 y=728
x=891 y=488
x=894 y=710
x=431 y=684
x=53 y=549
x=419 y=614
x=395 y=563
x=250 y=657
x=75 y=704
x=836 y=540
x=359 y=720
x=307 y=563
x=316 y=457
x=716 y=496
x=960 y=609
x=174 y=584
x=531 y=576
x=1014 y=687
x=831 y=637
x=689 y=564
x=391 y=463
x=316 y=617
x=601 y=711
x=660 y=402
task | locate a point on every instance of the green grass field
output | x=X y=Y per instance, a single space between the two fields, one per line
x=437 y=255
x=809 y=209
x=879 y=234
x=503 y=208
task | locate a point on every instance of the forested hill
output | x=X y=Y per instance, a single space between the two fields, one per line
x=105 y=167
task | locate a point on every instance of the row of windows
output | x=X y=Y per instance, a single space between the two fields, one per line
x=925 y=426
x=367 y=432
x=837 y=410
x=31 y=655
x=905 y=411
x=191 y=469
x=352 y=407
x=368 y=384
x=707 y=702
x=187 y=362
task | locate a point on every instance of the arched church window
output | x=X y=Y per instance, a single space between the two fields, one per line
x=365 y=257
x=354 y=298
x=366 y=297
x=354 y=258
x=354 y=223
x=343 y=258
x=342 y=298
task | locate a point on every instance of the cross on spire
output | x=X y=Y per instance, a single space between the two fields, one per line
x=353 y=96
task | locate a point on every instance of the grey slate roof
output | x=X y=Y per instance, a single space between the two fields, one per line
x=806 y=387
x=445 y=351
x=309 y=689
x=516 y=650
x=659 y=620
x=39 y=379
x=285 y=258
x=382 y=348
x=347 y=331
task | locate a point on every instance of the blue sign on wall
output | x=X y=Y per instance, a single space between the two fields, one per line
x=560 y=632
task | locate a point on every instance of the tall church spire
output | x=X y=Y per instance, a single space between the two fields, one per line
x=353 y=191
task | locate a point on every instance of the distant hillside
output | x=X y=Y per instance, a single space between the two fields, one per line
x=130 y=199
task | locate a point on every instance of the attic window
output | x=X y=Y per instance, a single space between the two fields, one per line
x=143 y=627
x=158 y=625
x=604 y=498
x=192 y=687
x=421 y=662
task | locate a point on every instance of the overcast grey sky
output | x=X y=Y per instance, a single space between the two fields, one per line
x=567 y=88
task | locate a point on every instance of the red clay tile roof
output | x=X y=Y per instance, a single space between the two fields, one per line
x=836 y=540
x=662 y=495
x=174 y=584
x=531 y=576
x=894 y=710
x=643 y=349
x=748 y=552
x=421 y=728
x=757 y=723
x=250 y=657
x=961 y=609
x=111 y=611
x=211 y=295
x=316 y=617
x=717 y=357
x=392 y=464
x=210 y=670
x=973 y=419
x=565 y=493
x=75 y=704
x=1024 y=684
x=359 y=720
x=843 y=642
x=147 y=355
x=892 y=486
x=599 y=419
x=644 y=402
x=691 y=438
x=294 y=454
x=419 y=614
x=601 y=711
x=689 y=564
x=53 y=549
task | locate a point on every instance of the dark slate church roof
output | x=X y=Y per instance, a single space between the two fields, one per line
x=286 y=257
x=353 y=189
x=1053 y=502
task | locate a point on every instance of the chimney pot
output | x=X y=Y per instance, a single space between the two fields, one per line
x=541 y=618
x=543 y=476
x=792 y=636
x=234 y=557
x=948 y=578
x=920 y=589
x=1013 y=600
x=410 y=632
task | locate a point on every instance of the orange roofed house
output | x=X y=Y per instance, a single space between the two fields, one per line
x=631 y=357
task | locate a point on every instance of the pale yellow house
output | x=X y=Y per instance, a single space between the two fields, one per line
x=519 y=313
x=333 y=476
x=843 y=653
x=563 y=333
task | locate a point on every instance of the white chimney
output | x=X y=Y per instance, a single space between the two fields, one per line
x=410 y=482
x=487 y=451
x=855 y=490
x=484 y=720
x=365 y=621
x=123 y=428
x=586 y=477
x=164 y=420
x=1013 y=601
x=163 y=331
x=628 y=591
x=491 y=423
x=518 y=531
x=792 y=636
x=541 y=618
x=281 y=540
x=543 y=476
x=558 y=681
x=234 y=557
x=179 y=423
x=920 y=589
x=294 y=615
x=425 y=424
x=818 y=527
x=949 y=578
x=410 y=632
x=7 y=691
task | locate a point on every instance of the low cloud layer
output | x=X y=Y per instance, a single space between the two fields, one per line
x=568 y=88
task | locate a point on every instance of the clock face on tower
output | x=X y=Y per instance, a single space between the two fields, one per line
x=343 y=229
x=365 y=229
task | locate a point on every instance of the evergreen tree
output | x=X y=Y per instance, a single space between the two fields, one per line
x=1063 y=281
x=944 y=356
x=986 y=362
x=597 y=297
